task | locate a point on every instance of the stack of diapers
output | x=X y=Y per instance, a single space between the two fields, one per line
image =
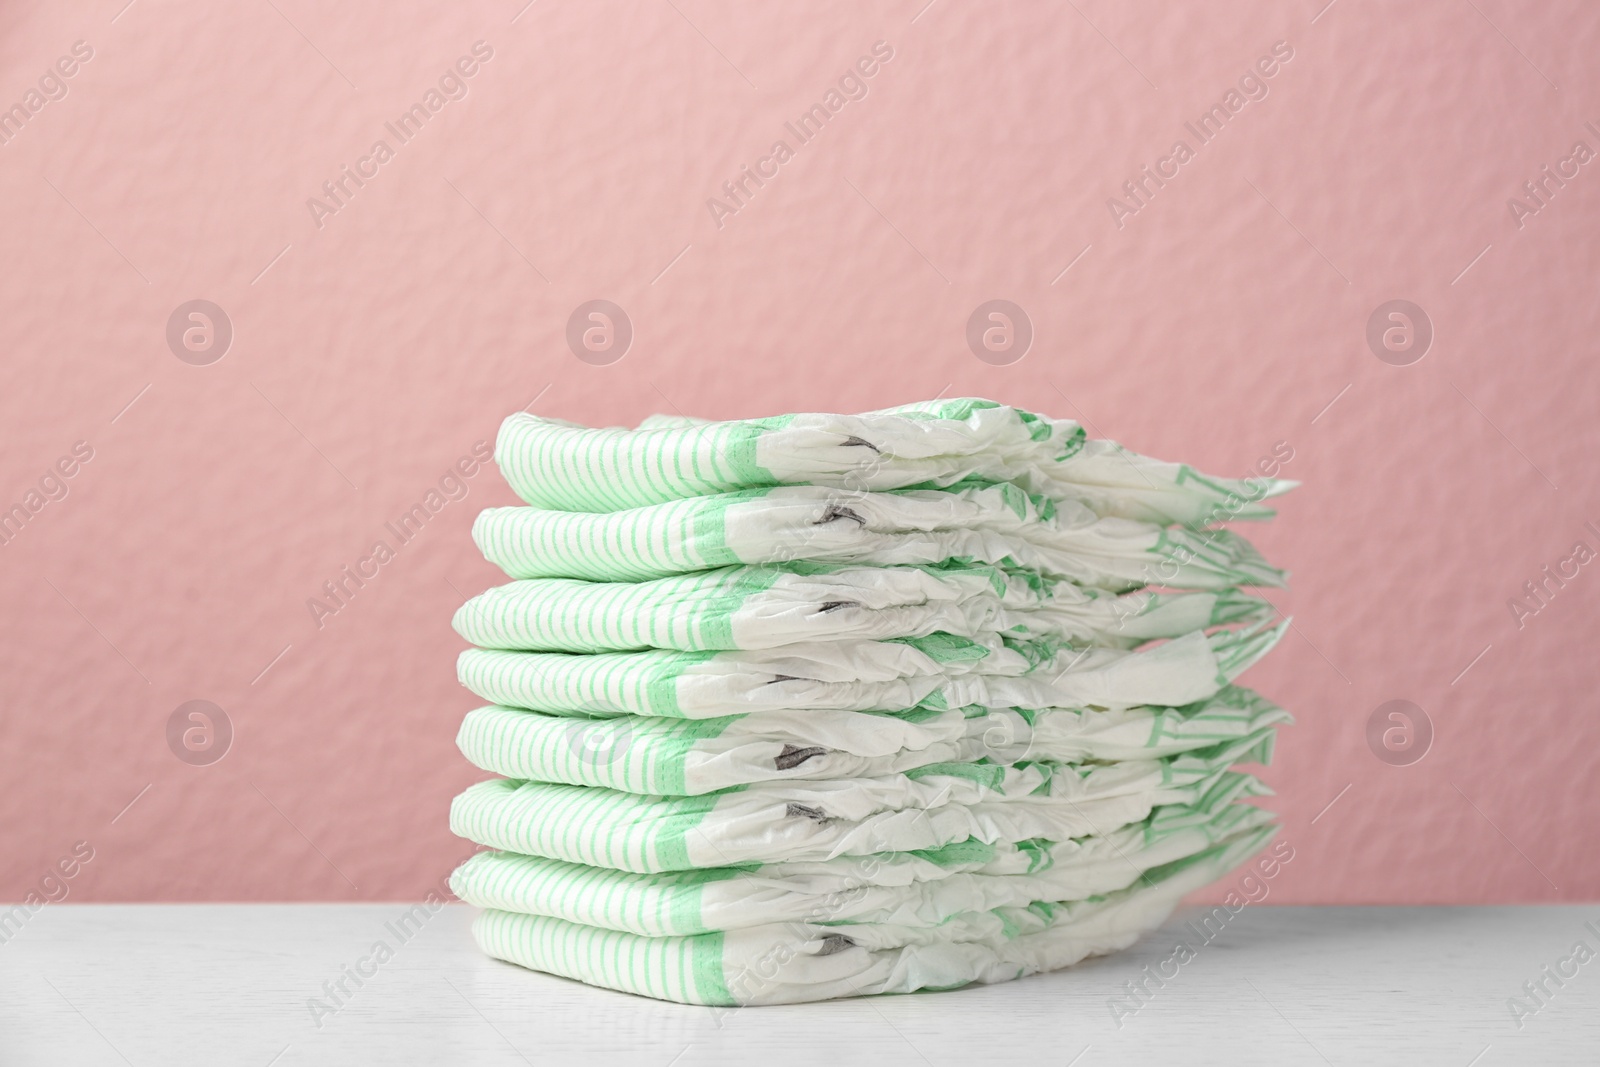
x=823 y=705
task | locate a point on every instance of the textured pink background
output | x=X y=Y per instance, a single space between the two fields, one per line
x=1221 y=319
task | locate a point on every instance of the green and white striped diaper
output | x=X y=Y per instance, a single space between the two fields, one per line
x=788 y=962
x=688 y=757
x=555 y=464
x=924 y=888
x=988 y=523
x=768 y=607
x=925 y=808
x=941 y=670
x=822 y=705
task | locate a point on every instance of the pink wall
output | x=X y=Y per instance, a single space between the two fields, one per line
x=371 y=351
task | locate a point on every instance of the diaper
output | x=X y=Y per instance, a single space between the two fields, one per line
x=987 y=523
x=799 y=961
x=800 y=820
x=824 y=705
x=767 y=607
x=689 y=757
x=555 y=464
x=917 y=889
x=941 y=670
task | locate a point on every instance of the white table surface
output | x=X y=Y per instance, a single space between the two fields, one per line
x=229 y=984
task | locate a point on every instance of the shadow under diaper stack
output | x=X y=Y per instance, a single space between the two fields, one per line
x=821 y=705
